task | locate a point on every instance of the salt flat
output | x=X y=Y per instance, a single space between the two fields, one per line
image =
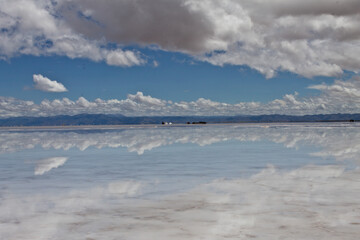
x=238 y=181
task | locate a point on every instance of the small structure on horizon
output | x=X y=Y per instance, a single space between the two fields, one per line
x=201 y=122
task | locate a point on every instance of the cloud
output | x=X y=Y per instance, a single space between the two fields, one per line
x=169 y=24
x=330 y=140
x=311 y=200
x=59 y=207
x=308 y=201
x=45 y=165
x=45 y=84
x=338 y=97
x=30 y=27
x=123 y=58
x=305 y=37
x=340 y=89
x=139 y=98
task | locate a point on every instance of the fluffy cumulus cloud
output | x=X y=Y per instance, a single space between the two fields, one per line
x=306 y=37
x=45 y=84
x=36 y=27
x=338 y=97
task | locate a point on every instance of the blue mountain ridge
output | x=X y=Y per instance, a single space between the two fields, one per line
x=118 y=119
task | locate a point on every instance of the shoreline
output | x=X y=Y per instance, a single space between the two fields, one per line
x=168 y=125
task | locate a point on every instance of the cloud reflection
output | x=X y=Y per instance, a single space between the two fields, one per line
x=310 y=202
x=55 y=215
x=339 y=142
x=47 y=164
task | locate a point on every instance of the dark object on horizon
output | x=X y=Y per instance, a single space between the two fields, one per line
x=201 y=122
x=117 y=119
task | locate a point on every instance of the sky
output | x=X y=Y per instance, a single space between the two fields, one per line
x=183 y=57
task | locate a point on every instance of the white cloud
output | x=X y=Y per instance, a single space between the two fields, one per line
x=286 y=35
x=123 y=58
x=305 y=37
x=338 y=97
x=35 y=27
x=309 y=38
x=58 y=208
x=45 y=84
x=139 y=98
x=341 y=89
x=45 y=165
x=309 y=201
x=341 y=143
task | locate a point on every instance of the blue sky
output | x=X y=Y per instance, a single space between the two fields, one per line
x=176 y=78
x=181 y=57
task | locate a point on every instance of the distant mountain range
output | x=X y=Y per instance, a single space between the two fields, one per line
x=103 y=119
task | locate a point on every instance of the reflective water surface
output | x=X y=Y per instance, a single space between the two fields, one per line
x=246 y=181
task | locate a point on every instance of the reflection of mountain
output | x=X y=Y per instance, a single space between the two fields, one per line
x=339 y=140
x=47 y=164
x=108 y=119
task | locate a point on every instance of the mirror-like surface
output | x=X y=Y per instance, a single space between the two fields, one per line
x=246 y=181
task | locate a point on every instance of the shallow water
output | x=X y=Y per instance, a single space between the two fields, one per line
x=247 y=181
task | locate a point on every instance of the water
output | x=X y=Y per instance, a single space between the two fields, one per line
x=247 y=181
